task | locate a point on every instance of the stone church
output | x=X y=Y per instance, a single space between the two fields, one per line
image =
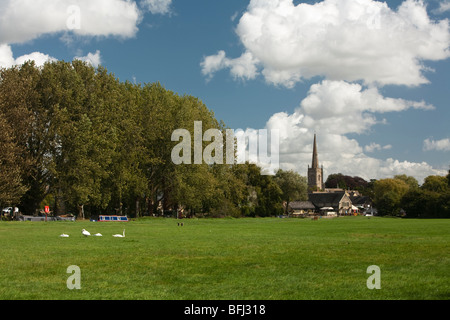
x=326 y=201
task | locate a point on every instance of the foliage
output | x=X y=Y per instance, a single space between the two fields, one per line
x=432 y=199
x=16 y=94
x=292 y=185
x=388 y=194
x=96 y=145
x=402 y=194
x=11 y=185
x=410 y=181
x=338 y=180
x=435 y=183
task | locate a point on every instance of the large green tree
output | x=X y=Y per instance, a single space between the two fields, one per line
x=81 y=137
x=12 y=186
x=409 y=180
x=388 y=194
x=293 y=186
x=18 y=98
x=432 y=199
x=338 y=180
x=435 y=183
x=264 y=194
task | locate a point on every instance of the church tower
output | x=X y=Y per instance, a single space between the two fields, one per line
x=315 y=174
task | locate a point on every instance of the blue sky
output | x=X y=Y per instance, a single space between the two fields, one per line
x=378 y=109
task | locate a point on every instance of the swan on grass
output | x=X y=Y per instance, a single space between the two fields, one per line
x=98 y=235
x=85 y=233
x=120 y=235
x=64 y=235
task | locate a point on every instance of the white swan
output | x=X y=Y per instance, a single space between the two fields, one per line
x=64 y=235
x=85 y=233
x=119 y=235
x=98 y=235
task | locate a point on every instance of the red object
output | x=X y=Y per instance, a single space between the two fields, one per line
x=47 y=209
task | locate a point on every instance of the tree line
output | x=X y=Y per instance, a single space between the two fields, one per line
x=77 y=139
x=401 y=195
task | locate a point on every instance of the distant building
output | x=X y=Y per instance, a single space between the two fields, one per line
x=338 y=203
x=330 y=201
x=301 y=208
x=363 y=203
x=315 y=173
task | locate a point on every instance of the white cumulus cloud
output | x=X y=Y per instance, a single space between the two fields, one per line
x=341 y=107
x=334 y=109
x=81 y=17
x=352 y=40
x=444 y=6
x=157 y=6
x=438 y=145
x=243 y=67
x=93 y=59
x=6 y=56
x=24 y=20
x=372 y=147
x=7 y=59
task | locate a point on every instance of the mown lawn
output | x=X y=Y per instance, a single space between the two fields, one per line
x=227 y=259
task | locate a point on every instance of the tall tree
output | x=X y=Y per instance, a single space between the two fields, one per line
x=435 y=183
x=432 y=199
x=264 y=194
x=293 y=186
x=81 y=135
x=338 y=180
x=17 y=99
x=12 y=186
x=409 y=180
x=388 y=194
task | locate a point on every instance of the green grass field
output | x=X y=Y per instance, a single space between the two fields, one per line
x=227 y=259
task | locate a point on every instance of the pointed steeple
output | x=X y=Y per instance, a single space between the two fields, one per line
x=315 y=158
x=315 y=173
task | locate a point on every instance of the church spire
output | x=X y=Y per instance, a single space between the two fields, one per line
x=315 y=174
x=315 y=158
